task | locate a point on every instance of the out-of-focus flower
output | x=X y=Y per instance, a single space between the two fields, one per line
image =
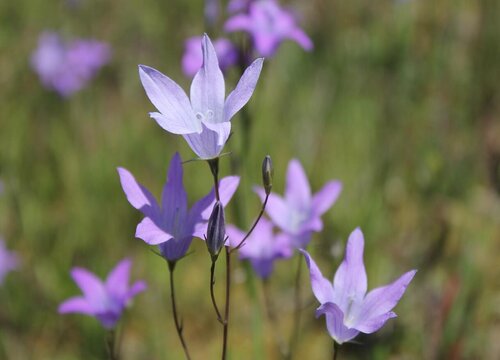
x=349 y=310
x=211 y=11
x=205 y=121
x=299 y=213
x=106 y=300
x=66 y=67
x=238 y=5
x=192 y=60
x=262 y=247
x=269 y=25
x=8 y=261
x=171 y=225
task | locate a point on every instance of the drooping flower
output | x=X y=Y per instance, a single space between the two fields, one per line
x=8 y=261
x=66 y=67
x=171 y=225
x=106 y=300
x=269 y=25
x=347 y=307
x=299 y=213
x=205 y=120
x=192 y=60
x=262 y=248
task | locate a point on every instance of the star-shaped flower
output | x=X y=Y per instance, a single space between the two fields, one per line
x=172 y=225
x=205 y=119
x=107 y=300
x=349 y=310
x=299 y=213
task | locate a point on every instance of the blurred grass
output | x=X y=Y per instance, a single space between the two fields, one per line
x=399 y=100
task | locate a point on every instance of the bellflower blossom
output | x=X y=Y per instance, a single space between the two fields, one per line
x=192 y=60
x=269 y=25
x=205 y=120
x=106 y=300
x=262 y=247
x=8 y=261
x=66 y=67
x=299 y=213
x=347 y=307
x=171 y=225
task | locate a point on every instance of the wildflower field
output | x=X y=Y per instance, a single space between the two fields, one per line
x=323 y=176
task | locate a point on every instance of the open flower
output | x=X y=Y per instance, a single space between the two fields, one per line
x=269 y=25
x=192 y=60
x=262 y=247
x=349 y=310
x=107 y=300
x=171 y=225
x=205 y=119
x=8 y=261
x=299 y=213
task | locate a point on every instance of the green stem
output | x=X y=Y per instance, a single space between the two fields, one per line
x=336 y=348
x=226 y=311
x=110 y=344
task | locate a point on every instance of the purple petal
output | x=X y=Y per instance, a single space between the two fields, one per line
x=376 y=307
x=335 y=323
x=350 y=281
x=297 y=192
x=176 y=248
x=207 y=88
x=117 y=280
x=92 y=287
x=136 y=288
x=321 y=287
x=209 y=143
x=326 y=197
x=244 y=90
x=238 y=22
x=151 y=233
x=76 y=305
x=276 y=208
x=169 y=98
x=137 y=195
x=299 y=36
x=235 y=235
x=174 y=198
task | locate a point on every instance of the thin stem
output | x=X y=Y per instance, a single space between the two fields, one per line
x=110 y=344
x=273 y=319
x=297 y=311
x=336 y=349
x=262 y=209
x=212 y=295
x=178 y=323
x=214 y=169
x=226 y=311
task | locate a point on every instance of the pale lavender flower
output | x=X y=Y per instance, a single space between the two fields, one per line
x=172 y=225
x=262 y=248
x=238 y=5
x=269 y=25
x=192 y=60
x=205 y=120
x=349 y=310
x=66 y=67
x=298 y=213
x=106 y=300
x=8 y=261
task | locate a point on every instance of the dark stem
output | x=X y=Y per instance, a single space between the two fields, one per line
x=214 y=168
x=297 y=311
x=336 y=349
x=226 y=311
x=178 y=323
x=273 y=319
x=212 y=295
x=110 y=344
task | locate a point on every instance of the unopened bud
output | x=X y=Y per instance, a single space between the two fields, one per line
x=216 y=232
x=267 y=174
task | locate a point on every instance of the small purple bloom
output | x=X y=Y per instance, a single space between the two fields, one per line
x=192 y=60
x=349 y=310
x=205 y=120
x=262 y=247
x=66 y=67
x=238 y=5
x=299 y=213
x=171 y=225
x=107 y=300
x=269 y=25
x=8 y=261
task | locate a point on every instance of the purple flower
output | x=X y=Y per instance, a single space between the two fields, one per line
x=205 y=120
x=262 y=247
x=66 y=67
x=269 y=25
x=103 y=300
x=8 y=261
x=192 y=60
x=349 y=310
x=171 y=225
x=299 y=213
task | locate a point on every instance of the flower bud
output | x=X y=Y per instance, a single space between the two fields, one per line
x=267 y=174
x=216 y=231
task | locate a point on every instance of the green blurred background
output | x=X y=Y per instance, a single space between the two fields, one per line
x=399 y=100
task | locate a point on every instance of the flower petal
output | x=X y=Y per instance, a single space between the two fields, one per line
x=174 y=198
x=76 y=304
x=277 y=209
x=169 y=98
x=136 y=288
x=238 y=22
x=137 y=195
x=301 y=38
x=117 y=280
x=176 y=248
x=321 y=287
x=335 y=324
x=349 y=284
x=209 y=143
x=92 y=287
x=244 y=90
x=326 y=197
x=297 y=192
x=208 y=88
x=151 y=233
